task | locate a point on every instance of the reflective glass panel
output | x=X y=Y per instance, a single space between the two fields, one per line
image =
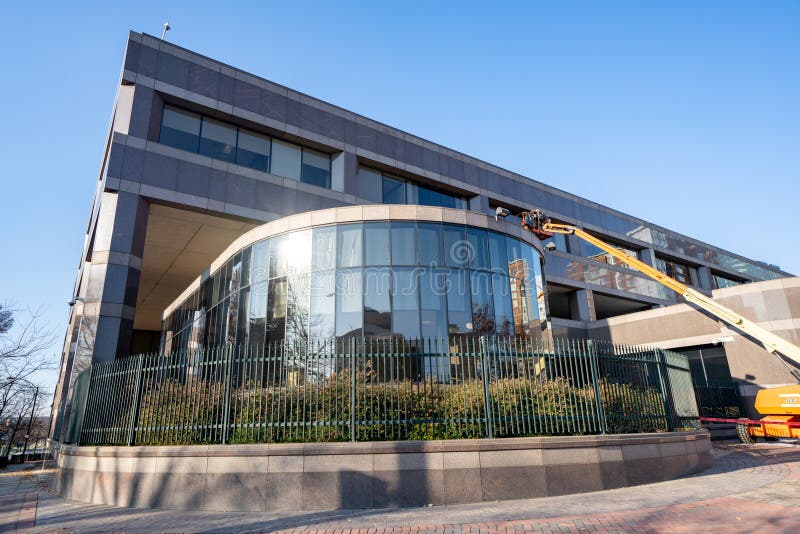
x=430 y=245
x=433 y=306
x=323 y=248
x=457 y=249
x=348 y=303
x=316 y=168
x=259 y=261
x=218 y=140
x=478 y=248
x=257 y=314
x=377 y=310
x=276 y=311
x=286 y=159
x=323 y=305
x=503 y=313
x=459 y=304
x=497 y=253
x=252 y=150
x=431 y=197
x=349 y=244
x=298 y=299
x=394 y=191
x=482 y=303
x=404 y=249
x=180 y=129
x=405 y=307
x=369 y=184
x=376 y=243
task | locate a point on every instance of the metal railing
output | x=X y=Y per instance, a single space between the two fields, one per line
x=718 y=401
x=392 y=389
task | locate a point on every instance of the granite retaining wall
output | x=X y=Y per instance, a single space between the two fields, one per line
x=320 y=476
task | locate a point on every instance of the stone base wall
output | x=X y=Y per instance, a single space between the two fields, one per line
x=377 y=474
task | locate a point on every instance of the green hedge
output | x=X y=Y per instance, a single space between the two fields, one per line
x=175 y=412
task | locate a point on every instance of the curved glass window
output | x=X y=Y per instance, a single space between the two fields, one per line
x=380 y=279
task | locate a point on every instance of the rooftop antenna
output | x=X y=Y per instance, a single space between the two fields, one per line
x=166 y=29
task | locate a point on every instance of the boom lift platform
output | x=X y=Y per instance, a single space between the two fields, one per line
x=780 y=406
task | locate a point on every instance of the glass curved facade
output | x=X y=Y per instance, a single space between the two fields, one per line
x=374 y=279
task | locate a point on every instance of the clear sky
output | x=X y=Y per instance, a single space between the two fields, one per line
x=686 y=114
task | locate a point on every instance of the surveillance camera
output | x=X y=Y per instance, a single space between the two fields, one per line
x=550 y=246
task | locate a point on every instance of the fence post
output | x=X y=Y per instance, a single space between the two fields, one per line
x=82 y=419
x=594 y=365
x=487 y=402
x=137 y=400
x=351 y=348
x=663 y=379
x=226 y=414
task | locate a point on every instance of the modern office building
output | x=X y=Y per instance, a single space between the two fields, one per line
x=225 y=202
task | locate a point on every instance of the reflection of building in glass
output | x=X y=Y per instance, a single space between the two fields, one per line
x=376 y=280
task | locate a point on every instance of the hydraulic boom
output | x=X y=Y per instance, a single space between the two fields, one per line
x=536 y=222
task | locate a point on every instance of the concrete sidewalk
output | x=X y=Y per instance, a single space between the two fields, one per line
x=750 y=489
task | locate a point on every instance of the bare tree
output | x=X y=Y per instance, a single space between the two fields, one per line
x=24 y=347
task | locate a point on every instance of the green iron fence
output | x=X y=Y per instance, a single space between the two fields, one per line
x=393 y=389
x=718 y=400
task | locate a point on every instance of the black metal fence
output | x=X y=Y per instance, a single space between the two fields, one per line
x=718 y=401
x=393 y=389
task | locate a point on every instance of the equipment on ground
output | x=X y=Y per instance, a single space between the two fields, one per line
x=780 y=406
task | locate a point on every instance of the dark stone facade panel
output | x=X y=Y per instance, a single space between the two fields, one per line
x=116 y=157
x=218 y=187
x=241 y=191
x=366 y=138
x=173 y=70
x=160 y=171
x=292 y=112
x=132 y=56
x=194 y=179
x=246 y=96
x=267 y=196
x=133 y=164
x=148 y=60
x=226 y=89
x=273 y=105
x=462 y=485
x=204 y=81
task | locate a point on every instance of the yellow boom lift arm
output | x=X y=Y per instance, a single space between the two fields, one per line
x=781 y=405
x=536 y=222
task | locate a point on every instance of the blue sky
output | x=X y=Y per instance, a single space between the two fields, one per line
x=686 y=114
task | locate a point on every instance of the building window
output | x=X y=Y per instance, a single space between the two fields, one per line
x=377 y=279
x=219 y=140
x=180 y=129
x=253 y=150
x=379 y=187
x=597 y=254
x=286 y=160
x=681 y=272
x=316 y=168
x=719 y=281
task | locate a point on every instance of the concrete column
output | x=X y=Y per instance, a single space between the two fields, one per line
x=581 y=305
x=344 y=173
x=102 y=325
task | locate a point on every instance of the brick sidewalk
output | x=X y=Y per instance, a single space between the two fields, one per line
x=750 y=489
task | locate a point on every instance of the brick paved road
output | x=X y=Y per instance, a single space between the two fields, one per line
x=750 y=489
